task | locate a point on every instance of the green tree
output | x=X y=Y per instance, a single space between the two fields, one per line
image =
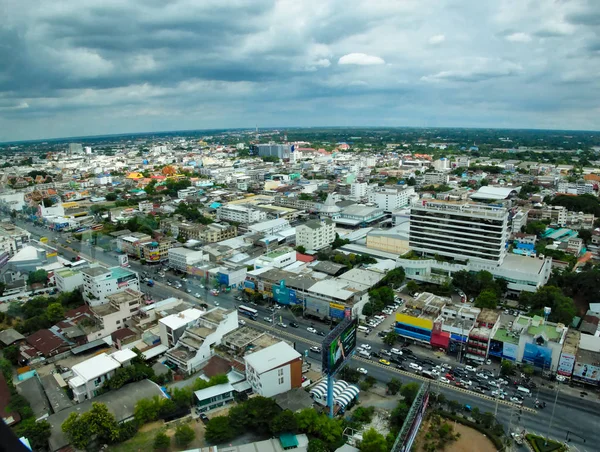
x=487 y=299
x=528 y=370
x=409 y=392
x=184 y=434
x=161 y=441
x=412 y=287
x=394 y=277
x=535 y=227
x=350 y=375
x=363 y=414
x=55 y=312
x=96 y=424
x=147 y=410
x=454 y=406
x=219 y=430
x=284 y=422
x=507 y=368
x=37 y=433
x=390 y=338
x=37 y=276
x=6 y=369
x=316 y=445
x=11 y=353
x=585 y=235
x=399 y=414
x=373 y=441
x=182 y=397
x=111 y=196
x=394 y=386
x=301 y=249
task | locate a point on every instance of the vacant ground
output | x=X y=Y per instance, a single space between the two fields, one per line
x=470 y=440
x=144 y=439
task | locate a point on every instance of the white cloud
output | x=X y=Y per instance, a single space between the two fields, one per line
x=518 y=37
x=437 y=39
x=475 y=70
x=361 y=59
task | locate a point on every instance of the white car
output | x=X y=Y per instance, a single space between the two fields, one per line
x=310 y=329
x=268 y=319
x=489 y=362
x=498 y=395
x=282 y=325
x=470 y=369
x=561 y=378
x=416 y=367
x=516 y=400
x=361 y=370
x=366 y=347
x=396 y=351
x=197 y=295
x=241 y=322
x=277 y=306
x=466 y=382
x=385 y=352
x=482 y=375
x=444 y=380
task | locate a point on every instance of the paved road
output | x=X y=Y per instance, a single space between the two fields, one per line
x=572 y=414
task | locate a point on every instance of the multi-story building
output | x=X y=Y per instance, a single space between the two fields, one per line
x=189 y=192
x=460 y=231
x=98 y=282
x=12 y=238
x=274 y=370
x=214 y=232
x=391 y=198
x=358 y=190
x=89 y=375
x=111 y=316
x=282 y=151
x=480 y=336
x=519 y=220
x=196 y=345
x=314 y=235
x=240 y=214
x=172 y=327
x=131 y=244
x=183 y=258
x=279 y=258
x=68 y=280
x=432 y=178
x=580 y=187
x=157 y=251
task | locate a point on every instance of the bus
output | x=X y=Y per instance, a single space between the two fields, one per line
x=249 y=312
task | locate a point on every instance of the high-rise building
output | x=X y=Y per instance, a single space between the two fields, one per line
x=75 y=148
x=314 y=234
x=460 y=231
x=282 y=151
x=358 y=190
x=391 y=198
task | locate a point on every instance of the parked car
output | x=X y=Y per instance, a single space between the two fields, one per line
x=396 y=351
x=365 y=346
x=282 y=325
x=470 y=369
x=204 y=418
x=241 y=322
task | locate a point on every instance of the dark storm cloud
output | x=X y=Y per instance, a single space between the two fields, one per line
x=75 y=66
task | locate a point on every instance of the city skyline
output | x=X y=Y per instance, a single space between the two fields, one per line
x=112 y=68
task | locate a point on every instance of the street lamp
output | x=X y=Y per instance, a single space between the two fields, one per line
x=553 y=408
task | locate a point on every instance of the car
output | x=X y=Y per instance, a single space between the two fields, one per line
x=241 y=322
x=268 y=319
x=239 y=298
x=204 y=418
x=470 y=369
x=385 y=362
x=428 y=361
x=482 y=375
x=385 y=352
x=396 y=351
x=444 y=380
x=449 y=377
x=310 y=329
x=315 y=349
x=415 y=366
x=361 y=370
x=396 y=359
x=498 y=395
x=277 y=306
x=365 y=346
x=400 y=366
x=488 y=362
x=516 y=400
x=466 y=382
x=282 y=325
x=214 y=292
x=197 y=295
x=216 y=303
x=506 y=312
x=561 y=378
x=294 y=325
x=189 y=290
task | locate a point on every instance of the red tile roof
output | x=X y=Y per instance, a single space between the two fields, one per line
x=121 y=334
x=46 y=342
x=304 y=257
x=216 y=366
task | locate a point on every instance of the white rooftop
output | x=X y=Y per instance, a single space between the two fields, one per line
x=491 y=192
x=213 y=391
x=175 y=321
x=95 y=367
x=332 y=288
x=265 y=225
x=590 y=343
x=271 y=357
x=123 y=355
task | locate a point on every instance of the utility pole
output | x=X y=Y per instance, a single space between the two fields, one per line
x=553 y=409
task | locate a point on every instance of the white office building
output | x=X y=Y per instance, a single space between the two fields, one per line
x=392 y=198
x=240 y=214
x=314 y=234
x=98 y=282
x=274 y=370
x=12 y=238
x=68 y=280
x=279 y=258
x=182 y=258
x=358 y=190
x=114 y=314
x=461 y=231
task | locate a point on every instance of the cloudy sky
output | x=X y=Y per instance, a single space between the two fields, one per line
x=87 y=67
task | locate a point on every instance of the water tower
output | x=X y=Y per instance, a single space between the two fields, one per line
x=547 y=311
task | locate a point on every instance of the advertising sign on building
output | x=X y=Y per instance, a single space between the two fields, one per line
x=123 y=260
x=336 y=310
x=510 y=351
x=339 y=346
x=538 y=355
x=565 y=364
x=586 y=372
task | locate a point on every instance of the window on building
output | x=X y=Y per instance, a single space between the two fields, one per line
x=281 y=380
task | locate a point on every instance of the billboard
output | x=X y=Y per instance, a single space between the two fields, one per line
x=336 y=310
x=124 y=260
x=416 y=425
x=565 y=364
x=538 y=355
x=509 y=351
x=425 y=324
x=586 y=372
x=339 y=345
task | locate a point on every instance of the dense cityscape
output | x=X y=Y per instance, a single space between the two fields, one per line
x=319 y=289
x=308 y=226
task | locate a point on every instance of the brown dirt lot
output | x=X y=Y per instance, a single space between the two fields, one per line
x=470 y=440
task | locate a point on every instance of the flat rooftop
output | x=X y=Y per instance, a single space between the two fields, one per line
x=279 y=252
x=489 y=316
x=503 y=335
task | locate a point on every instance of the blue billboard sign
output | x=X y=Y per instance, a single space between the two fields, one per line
x=537 y=355
x=509 y=351
x=249 y=285
x=293 y=297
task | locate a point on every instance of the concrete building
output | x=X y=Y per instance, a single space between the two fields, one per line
x=98 y=282
x=314 y=235
x=279 y=258
x=12 y=238
x=112 y=316
x=240 y=214
x=172 y=327
x=89 y=376
x=214 y=232
x=358 y=216
x=540 y=342
x=467 y=232
x=214 y=397
x=392 y=198
x=274 y=370
x=433 y=178
x=519 y=221
x=183 y=258
x=282 y=151
x=270 y=227
x=196 y=343
x=358 y=190
x=394 y=240
x=68 y=280
x=31 y=257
